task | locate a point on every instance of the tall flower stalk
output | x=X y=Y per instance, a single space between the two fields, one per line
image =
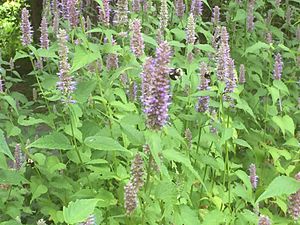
x=278 y=66
x=26 y=28
x=180 y=8
x=203 y=101
x=136 y=42
x=156 y=87
x=253 y=176
x=163 y=15
x=215 y=19
x=196 y=7
x=250 y=15
x=104 y=12
x=122 y=13
x=294 y=202
x=44 y=40
x=66 y=83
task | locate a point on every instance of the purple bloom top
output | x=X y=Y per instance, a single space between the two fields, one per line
x=278 y=66
x=180 y=8
x=203 y=101
x=66 y=84
x=155 y=87
x=44 y=40
x=163 y=16
x=26 y=28
x=190 y=31
x=104 y=13
x=137 y=42
x=215 y=19
x=253 y=177
x=196 y=7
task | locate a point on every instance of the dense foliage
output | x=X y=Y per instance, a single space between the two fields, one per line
x=153 y=112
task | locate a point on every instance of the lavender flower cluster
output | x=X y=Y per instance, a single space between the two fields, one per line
x=26 y=28
x=155 y=87
x=134 y=185
x=66 y=83
x=137 y=42
x=203 y=101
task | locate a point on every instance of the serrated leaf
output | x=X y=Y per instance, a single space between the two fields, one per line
x=179 y=157
x=149 y=40
x=11 y=177
x=189 y=216
x=4 y=147
x=83 y=57
x=22 y=120
x=79 y=210
x=40 y=189
x=242 y=143
x=240 y=15
x=104 y=143
x=52 y=141
x=11 y=102
x=256 y=47
x=281 y=185
x=205 y=47
x=84 y=89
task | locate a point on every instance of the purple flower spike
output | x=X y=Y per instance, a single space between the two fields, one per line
x=1 y=85
x=73 y=13
x=66 y=84
x=137 y=42
x=190 y=31
x=155 y=87
x=26 y=28
x=250 y=16
x=242 y=77
x=130 y=198
x=294 y=202
x=44 y=40
x=203 y=101
x=136 y=5
x=19 y=158
x=122 y=13
x=137 y=172
x=180 y=8
x=104 y=13
x=215 y=19
x=253 y=177
x=196 y=7
x=163 y=16
x=278 y=67
x=112 y=60
x=264 y=220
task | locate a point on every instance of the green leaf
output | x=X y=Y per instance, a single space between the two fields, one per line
x=39 y=190
x=11 y=102
x=4 y=147
x=22 y=120
x=104 y=143
x=189 y=216
x=52 y=141
x=205 y=47
x=281 y=86
x=83 y=57
x=285 y=123
x=149 y=40
x=179 y=157
x=242 y=143
x=214 y=217
x=240 y=15
x=79 y=210
x=11 y=177
x=281 y=185
x=242 y=104
x=256 y=47
x=288 y=124
x=84 y=89
x=135 y=136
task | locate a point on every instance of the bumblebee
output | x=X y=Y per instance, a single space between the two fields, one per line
x=175 y=73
